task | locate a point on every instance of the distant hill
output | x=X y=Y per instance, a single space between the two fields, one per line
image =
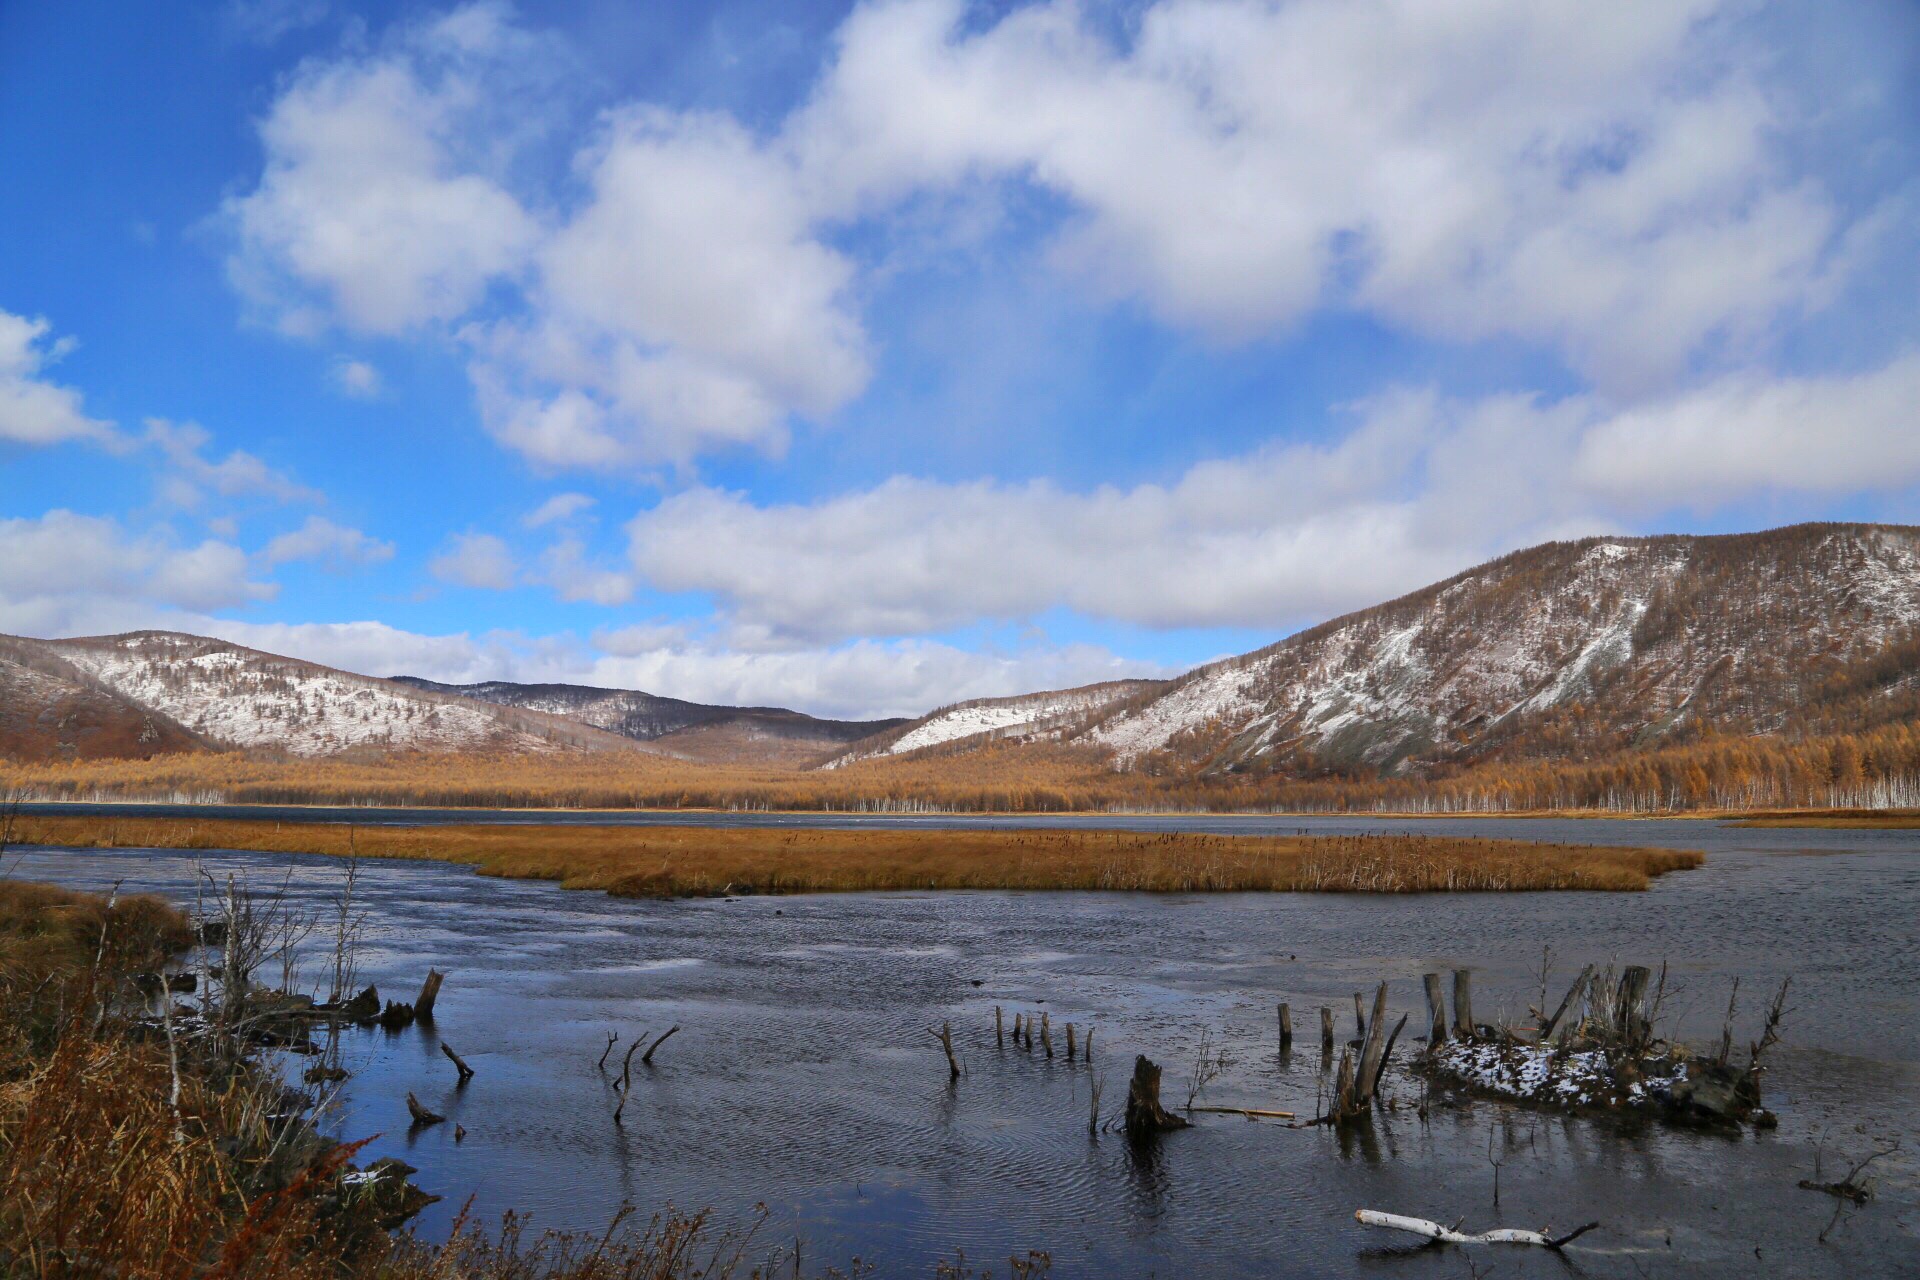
x=772 y=736
x=1563 y=651
x=1058 y=713
x=149 y=692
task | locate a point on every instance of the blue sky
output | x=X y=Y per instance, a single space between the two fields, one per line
x=867 y=357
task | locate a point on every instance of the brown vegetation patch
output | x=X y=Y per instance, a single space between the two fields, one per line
x=679 y=861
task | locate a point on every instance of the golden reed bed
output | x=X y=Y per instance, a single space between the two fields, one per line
x=663 y=861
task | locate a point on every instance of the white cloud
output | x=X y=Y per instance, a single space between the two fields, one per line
x=240 y=474
x=1750 y=433
x=558 y=509
x=34 y=411
x=688 y=296
x=564 y=567
x=475 y=560
x=64 y=571
x=864 y=680
x=372 y=199
x=267 y=21
x=1613 y=182
x=1598 y=178
x=1419 y=487
x=356 y=378
x=337 y=546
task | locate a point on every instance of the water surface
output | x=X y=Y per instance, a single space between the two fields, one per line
x=804 y=1077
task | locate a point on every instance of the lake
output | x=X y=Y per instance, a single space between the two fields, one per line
x=804 y=1077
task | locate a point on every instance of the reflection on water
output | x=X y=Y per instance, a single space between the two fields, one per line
x=804 y=1078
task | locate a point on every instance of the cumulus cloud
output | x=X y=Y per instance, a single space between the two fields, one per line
x=1750 y=433
x=34 y=411
x=478 y=560
x=188 y=473
x=335 y=546
x=1597 y=178
x=1605 y=181
x=558 y=509
x=1418 y=487
x=356 y=378
x=373 y=210
x=64 y=571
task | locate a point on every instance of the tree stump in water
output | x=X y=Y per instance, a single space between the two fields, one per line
x=429 y=992
x=1145 y=1115
x=1463 y=1005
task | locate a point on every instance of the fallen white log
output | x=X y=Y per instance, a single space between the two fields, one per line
x=1448 y=1235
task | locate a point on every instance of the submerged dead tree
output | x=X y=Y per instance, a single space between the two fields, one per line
x=1145 y=1115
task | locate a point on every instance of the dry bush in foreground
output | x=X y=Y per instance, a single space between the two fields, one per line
x=128 y=1153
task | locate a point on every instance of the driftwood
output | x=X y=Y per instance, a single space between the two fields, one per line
x=646 y=1059
x=1439 y=1234
x=459 y=1063
x=1145 y=1115
x=421 y=1116
x=429 y=993
x=1249 y=1112
x=945 y=1036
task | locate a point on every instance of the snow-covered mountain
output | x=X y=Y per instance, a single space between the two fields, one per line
x=694 y=730
x=1055 y=713
x=1564 y=649
x=156 y=691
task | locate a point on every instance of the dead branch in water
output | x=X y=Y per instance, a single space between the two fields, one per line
x=646 y=1059
x=459 y=1063
x=1439 y=1234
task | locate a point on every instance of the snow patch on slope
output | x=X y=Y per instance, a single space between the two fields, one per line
x=244 y=699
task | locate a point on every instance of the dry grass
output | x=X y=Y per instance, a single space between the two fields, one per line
x=112 y=1163
x=678 y=861
x=1840 y=820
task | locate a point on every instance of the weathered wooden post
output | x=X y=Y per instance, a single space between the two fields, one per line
x=1359 y=1018
x=1046 y=1037
x=1086 y=1054
x=1344 y=1105
x=1436 y=1011
x=1463 y=1004
x=1145 y=1115
x=1326 y=1031
x=1069 y=1042
x=1375 y=1046
x=1286 y=1027
x=999 y=1030
x=1627 y=1017
x=429 y=992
